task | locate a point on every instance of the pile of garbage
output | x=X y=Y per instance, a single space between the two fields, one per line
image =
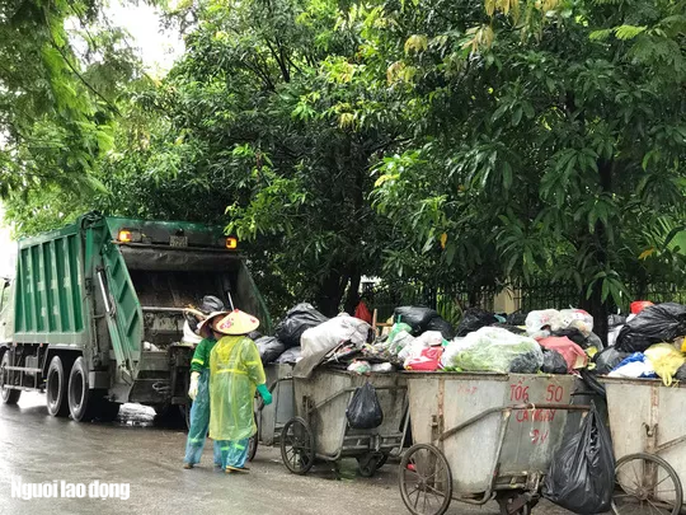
x=647 y=344
x=304 y=331
x=554 y=342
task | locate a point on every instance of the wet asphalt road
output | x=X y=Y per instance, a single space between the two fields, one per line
x=134 y=450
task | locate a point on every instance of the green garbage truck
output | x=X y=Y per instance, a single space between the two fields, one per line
x=94 y=316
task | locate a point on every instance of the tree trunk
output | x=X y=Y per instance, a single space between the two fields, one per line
x=330 y=292
x=353 y=296
x=596 y=307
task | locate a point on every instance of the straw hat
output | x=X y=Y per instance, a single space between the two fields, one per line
x=204 y=327
x=236 y=323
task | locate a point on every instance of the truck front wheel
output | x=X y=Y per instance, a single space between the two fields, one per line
x=79 y=395
x=7 y=395
x=56 y=388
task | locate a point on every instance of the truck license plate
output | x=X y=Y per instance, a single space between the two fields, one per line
x=178 y=241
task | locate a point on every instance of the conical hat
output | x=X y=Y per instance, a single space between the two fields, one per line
x=236 y=323
x=204 y=327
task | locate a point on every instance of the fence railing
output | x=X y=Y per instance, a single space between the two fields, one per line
x=452 y=300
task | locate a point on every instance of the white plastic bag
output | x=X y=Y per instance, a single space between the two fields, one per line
x=575 y=319
x=541 y=324
x=536 y=321
x=414 y=348
x=401 y=341
x=329 y=334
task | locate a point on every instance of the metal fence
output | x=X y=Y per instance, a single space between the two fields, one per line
x=451 y=301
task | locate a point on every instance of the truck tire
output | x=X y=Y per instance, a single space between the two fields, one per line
x=7 y=395
x=171 y=416
x=80 y=396
x=108 y=411
x=56 y=388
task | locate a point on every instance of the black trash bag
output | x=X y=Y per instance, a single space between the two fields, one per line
x=526 y=363
x=416 y=317
x=681 y=374
x=590 y=380
x=517 y=318
x=608 y=359
x=473 y=320
x=614 y=321
x=210 y=304
x=581 y=477
x=573 y=334
x=296 y=322
x=654 y=324
x=255 y=335
x=593 y=340
x=291 y=356
x=553 y=362
x=270 y=349
x=364 y=410
x=514 y=329
x=445 y=327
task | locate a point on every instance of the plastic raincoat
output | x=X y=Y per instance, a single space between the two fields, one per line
x=200 y=409
x=235 y=371
x=200 y=420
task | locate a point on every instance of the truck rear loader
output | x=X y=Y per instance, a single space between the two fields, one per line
x=94 y=317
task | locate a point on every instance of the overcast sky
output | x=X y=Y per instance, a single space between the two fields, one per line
x=158 y=50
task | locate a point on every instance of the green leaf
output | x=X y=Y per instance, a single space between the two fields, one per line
x=517 y=115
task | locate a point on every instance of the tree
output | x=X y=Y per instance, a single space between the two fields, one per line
x=58 y=90
x=555 y=135
x=272 y=114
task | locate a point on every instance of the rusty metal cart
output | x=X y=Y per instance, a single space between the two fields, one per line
x=321 y=431
x=648 y=429
x=480 y=437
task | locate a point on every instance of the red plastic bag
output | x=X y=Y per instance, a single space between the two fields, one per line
x=571 y=352
x=362 y=312
x=639 y=305
x=427 y=361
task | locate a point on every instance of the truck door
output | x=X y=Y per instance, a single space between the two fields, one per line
x=124 y=315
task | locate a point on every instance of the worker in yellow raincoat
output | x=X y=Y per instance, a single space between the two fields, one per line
x=235 y=373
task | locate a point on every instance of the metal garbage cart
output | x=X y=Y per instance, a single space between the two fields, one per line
x=272 y=418
x=648 y=430
x=479 y=437
x=321 y=431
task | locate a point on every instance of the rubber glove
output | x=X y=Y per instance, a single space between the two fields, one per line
x=193 y=390
x=266 y=395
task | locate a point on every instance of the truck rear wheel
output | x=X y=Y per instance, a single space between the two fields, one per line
x=7 y=395
x=56 y=388
x=80 y=396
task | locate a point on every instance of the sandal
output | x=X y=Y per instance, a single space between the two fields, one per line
x=243 y=470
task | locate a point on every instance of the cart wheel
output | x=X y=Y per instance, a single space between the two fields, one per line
x=426 y=483
x=368 y=464
x=252 y=447
x=382 y=461
x=252 y=443
x=297 y=446
x=640 y=480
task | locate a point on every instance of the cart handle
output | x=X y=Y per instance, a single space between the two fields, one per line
x=509 y=409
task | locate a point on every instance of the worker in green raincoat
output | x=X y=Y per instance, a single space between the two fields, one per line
x=199 y=390
x=235 y=373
